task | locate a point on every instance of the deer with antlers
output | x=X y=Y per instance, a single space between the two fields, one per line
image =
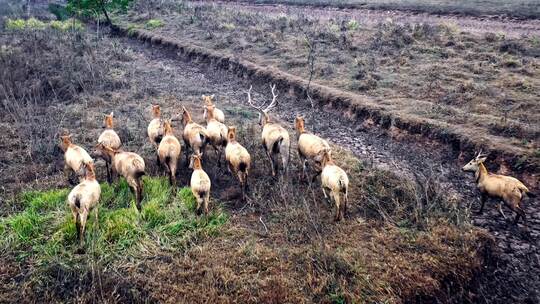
x=275 y=139
x=506 y=188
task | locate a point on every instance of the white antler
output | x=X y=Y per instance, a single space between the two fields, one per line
x=274 y=96
x=260 y=108
x=250 y=102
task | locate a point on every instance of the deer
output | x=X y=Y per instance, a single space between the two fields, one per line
x=200 y=184
x=169 y=151
x=309 y=146
x=128 y=164
x=110 y=139
x=155 y=128
x=504 y=188
x=195 y=136
x=209 y=101
x=74 y=157
x=217 y=132
x=275 y=138
x=82 y=199
x=334 y=179
x=238 y=159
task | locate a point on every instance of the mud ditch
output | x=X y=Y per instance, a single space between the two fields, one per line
x=409 y=147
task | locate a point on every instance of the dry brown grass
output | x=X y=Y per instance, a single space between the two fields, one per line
x=404 y=240
x=482 y=85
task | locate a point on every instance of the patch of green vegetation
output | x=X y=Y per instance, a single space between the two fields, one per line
x=67 y=25
x=45 y=230
x=153 y=24
x=34 y=24
x=352 y=25
x=131 y=28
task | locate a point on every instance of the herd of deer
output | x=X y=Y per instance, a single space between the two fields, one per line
x=276 y=144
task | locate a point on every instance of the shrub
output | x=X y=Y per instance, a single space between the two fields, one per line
x=352 y=25
x=153 y=24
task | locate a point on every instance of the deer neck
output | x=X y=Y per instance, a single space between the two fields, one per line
x=197 y=164
x=90 y=175
x=481 y=173
x=109 y=124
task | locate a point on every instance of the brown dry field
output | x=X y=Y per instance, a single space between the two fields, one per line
x=482 y=84
x=411 y=236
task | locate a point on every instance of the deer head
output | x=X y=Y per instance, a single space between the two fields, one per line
x=263 y=111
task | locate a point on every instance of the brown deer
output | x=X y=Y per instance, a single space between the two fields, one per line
x=195 y=136
x=128 y=164
x=200 y=184
x=217 y=132
x=238 y=159
x=82 y=199
x=506 y=188
x=334 y=179
x=209 y=101
x=169 y=151
x=110 y=139
x=275 y=139
x=74 y=157
x=309 y=146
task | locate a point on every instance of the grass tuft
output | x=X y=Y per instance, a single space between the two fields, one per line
x=154 y=24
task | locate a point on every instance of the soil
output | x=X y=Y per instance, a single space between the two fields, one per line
x=371 y=17
x=514 y=276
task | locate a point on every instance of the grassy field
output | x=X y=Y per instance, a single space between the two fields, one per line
x=404 y=240
x=519 y=8
x=481 y=84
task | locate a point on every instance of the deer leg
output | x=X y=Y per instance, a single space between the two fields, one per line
x=499 y=207
x=206 y=201
x=84 y=216
x=345 y=202
x=271 y=161
x=186 y=152
x=483 y=199
x=335 y=196
x=199 y=202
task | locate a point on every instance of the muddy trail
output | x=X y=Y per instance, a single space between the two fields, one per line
x=512 y=276
x=371 y=17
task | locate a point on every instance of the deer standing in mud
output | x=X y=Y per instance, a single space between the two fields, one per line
x=506 y=188
x=155 y=127
x=110 y=139
x=74 y=157
x=128 y=164
x=169 y=151
x=238 y=159
x=309 y=146
x=82 y=199
x=334 y=179
x=209 y=101
x=217 y=132
x=195 y=136
x=275 y=139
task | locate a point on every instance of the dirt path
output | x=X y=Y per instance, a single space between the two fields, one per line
x=515 y=275
x=368 y=17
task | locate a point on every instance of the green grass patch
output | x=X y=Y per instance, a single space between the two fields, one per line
x=45 y=230
x=34 y=24
x=154 y=24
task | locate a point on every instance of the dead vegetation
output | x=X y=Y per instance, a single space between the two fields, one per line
x=403 y=241
x=522 y=9
x=482 y=85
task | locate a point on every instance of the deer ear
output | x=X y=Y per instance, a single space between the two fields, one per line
x=112 y=114
x=212 y=96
